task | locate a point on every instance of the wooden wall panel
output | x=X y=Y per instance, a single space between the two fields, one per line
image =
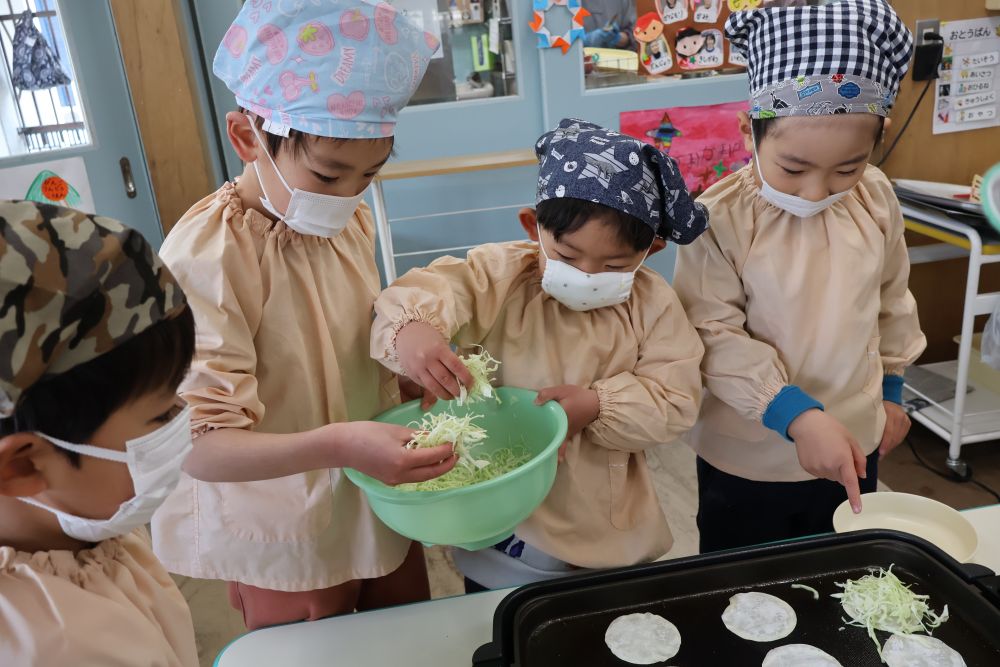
x=154 y=48
x=954 y=158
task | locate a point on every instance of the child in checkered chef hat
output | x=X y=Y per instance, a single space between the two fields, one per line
x=575 y=315
x=280 y=271
x=800 y=288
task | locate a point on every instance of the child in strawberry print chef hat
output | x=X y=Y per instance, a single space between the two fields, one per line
x=280 y=272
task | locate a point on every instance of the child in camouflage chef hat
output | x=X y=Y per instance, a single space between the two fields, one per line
x=576 y=315
x=95 y=336
x=800 y=288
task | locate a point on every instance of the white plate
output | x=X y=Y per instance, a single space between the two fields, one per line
x=946 y=190
x=937 y=523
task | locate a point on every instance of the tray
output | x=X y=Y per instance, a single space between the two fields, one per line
x=562 y=622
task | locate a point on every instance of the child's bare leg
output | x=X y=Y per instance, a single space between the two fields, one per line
x=406 y=584
x=262 y=607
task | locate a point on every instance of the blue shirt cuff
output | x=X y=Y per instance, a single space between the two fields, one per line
x=786 y=407
x=892 y=389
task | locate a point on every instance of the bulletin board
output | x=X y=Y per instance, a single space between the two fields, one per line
x=965 y=95
x=685 y=36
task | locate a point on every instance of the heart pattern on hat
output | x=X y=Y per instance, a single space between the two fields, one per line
x=346 y=108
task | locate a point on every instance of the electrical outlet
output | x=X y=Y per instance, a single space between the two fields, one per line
x=925 y=26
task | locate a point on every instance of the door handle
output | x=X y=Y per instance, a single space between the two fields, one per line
x=126 y=167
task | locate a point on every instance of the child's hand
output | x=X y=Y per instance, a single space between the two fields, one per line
x=411 y=391
x=379 y=451
x=582 y=407
x=827 y=450
x=897 y=425
x=428 y=360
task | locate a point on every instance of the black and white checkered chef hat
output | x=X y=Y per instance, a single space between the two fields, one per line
x=845 y=57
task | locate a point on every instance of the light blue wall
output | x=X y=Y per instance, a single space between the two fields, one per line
x=551 y=87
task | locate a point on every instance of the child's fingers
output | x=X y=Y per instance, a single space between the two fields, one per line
x=455 y=365
x=445 y=378
x=850 y=481
x=860 y=461
x=562 y=451
x=549 y=394
x=426 y=456
x=400 y=433
x=431 y=471
x=887 y=437
x=428 y=401
x=431 y=384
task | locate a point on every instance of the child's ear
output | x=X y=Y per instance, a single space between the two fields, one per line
x=658 y=245
x=529 y=221
x=885 y=130
x=745 y=129
x=19 y=476
x=241 y=135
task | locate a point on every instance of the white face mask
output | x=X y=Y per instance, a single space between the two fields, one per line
x=797 y=206
x=579 y=290
x=154 y=462
x=308 y=213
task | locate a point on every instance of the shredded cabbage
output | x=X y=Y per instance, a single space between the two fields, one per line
x=481 y=366
x=880 y=601
x=807 y=588
x=499 y=462
x=460 y=432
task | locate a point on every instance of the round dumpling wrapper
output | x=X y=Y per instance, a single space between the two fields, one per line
x=643 y=639
x=759 y=617
x=799 y=655
x=920 y=651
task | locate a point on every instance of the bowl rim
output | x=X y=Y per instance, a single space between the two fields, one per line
x=383 y=491
x=844 y=510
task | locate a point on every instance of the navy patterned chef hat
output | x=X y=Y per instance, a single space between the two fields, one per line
x=581 y=160
x=844 y=57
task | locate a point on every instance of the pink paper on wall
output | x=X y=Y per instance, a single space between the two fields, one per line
x=705 y=141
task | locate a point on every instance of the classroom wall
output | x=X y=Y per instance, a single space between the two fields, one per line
x=953 y=158
x=434 y=131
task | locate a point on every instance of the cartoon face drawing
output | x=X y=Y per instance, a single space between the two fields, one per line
x=648 y=28
x=689 y=42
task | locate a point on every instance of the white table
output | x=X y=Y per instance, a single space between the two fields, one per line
x=442 y=633
x=952 y=419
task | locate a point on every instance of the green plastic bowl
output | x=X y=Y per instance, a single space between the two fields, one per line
x=477 y=516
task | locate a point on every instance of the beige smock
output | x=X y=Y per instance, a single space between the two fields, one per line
x=821 y=303
x=109 y=606
x=641 y=357
x=283 y=323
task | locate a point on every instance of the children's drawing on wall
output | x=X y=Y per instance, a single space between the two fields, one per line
x=664 y=135
x=705 y=141
x=697 y=49
x=59 y=182
x=706 y=11
x=654 y=52
x=672 y=11
x=50 y=188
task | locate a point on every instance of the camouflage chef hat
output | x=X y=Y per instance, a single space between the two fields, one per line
x=73 y=286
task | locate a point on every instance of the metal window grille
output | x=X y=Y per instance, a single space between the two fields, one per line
x=49 y=119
